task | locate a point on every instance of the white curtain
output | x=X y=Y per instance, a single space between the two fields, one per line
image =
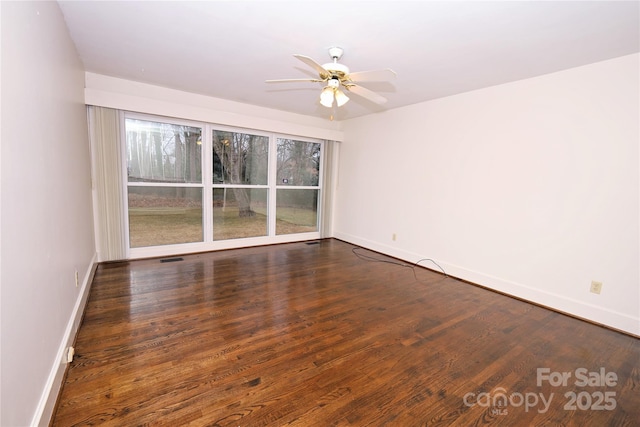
x=329 y=180
x=105 y=127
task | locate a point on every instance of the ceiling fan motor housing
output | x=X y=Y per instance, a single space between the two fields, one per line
x=337 y=70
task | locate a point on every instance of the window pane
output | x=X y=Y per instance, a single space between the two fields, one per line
x=298 y=163
x=239 y=212
x=239 y=158
x=164 y=215
x=296 y=211
x=163 y=152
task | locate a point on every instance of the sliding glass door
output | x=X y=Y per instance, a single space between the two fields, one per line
x=197 y=186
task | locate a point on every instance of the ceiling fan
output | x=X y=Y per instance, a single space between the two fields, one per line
x=337 y=75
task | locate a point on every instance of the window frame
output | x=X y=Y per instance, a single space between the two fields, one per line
x=207 y=186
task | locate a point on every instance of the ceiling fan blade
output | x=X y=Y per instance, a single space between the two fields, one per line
x=313 y=64
x=373 y=75
x=293 y=80
x=366 y=93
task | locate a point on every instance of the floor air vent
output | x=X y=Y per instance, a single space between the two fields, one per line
x=172 y=259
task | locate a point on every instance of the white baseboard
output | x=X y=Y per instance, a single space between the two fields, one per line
x=46 y=406
x=573 y=307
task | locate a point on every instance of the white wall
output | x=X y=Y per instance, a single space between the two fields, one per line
x=47 y=231
x=530 y=188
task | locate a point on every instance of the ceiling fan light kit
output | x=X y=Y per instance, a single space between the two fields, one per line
x=335 y=75
x=341 y=98
x=326 y=97
x=331 y=92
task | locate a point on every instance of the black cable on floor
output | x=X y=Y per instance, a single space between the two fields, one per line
x=398 y=263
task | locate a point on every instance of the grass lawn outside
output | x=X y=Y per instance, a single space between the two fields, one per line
x=156 y=226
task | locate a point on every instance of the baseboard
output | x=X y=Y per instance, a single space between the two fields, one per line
x=47 y=404
x=579 y=309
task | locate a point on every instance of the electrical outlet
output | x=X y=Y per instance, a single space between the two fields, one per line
x=77 y=279
x=393 y=237
x=596 y=287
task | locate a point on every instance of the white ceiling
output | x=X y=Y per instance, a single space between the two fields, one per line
x=227 y=49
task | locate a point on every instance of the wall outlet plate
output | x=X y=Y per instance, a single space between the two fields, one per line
x=596 y=287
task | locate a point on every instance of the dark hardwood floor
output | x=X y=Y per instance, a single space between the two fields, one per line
x=313 y=335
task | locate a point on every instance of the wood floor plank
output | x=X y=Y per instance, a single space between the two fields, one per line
x=318 y=335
